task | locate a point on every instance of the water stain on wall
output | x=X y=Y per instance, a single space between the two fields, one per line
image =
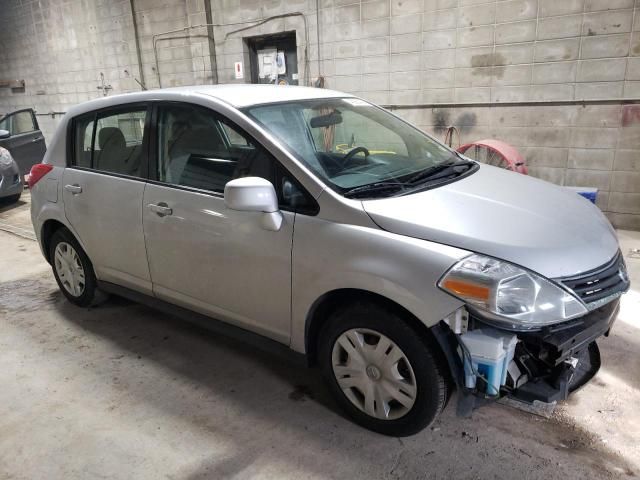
x=440 y=119
x=466 y=121
x=494 y=61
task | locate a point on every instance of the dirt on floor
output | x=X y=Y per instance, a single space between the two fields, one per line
x=123 y=391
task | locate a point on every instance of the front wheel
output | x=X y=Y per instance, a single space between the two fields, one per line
x=72 y=268
x=383 y=373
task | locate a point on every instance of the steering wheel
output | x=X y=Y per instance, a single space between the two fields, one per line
x=347 y=158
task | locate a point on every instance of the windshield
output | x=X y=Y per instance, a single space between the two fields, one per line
x=357 y=148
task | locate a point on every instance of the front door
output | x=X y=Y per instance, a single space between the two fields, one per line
x=202 y=255
x=26 y=142
x=103 y=191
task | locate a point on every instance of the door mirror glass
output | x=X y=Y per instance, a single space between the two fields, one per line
x=4 y=134
x=251 y=194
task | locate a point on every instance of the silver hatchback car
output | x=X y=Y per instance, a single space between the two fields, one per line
x=326 y=224
x=11 y=185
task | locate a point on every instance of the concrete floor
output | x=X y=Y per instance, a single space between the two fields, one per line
x=122 y=391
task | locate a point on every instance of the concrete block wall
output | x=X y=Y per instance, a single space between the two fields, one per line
x=572 y=145
x=481 y=65
x=61 y=48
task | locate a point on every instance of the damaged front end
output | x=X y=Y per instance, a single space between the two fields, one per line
x=489 y=361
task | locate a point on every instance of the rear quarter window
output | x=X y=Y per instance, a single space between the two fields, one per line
x=83 y=135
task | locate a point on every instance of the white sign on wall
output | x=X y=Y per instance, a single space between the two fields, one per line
x=238 y=70
x=266 y=63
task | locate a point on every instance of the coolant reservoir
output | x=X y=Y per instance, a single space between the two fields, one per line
x=491 y=351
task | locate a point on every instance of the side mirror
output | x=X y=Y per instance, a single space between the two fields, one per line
x=254 y=194
x=4 y=134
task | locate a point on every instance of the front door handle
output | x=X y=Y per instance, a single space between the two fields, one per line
x=75 y=189
x=162 y=209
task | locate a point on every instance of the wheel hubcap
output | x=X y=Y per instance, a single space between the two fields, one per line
x=374 y=373
x=69 y=269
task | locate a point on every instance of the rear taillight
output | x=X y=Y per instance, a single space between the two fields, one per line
x=38 y=171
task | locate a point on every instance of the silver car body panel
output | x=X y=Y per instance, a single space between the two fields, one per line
x=506 y=215
x=10 y=182
x=107 y=215
x=218 y=261
x=330 y=256
x=398 y=248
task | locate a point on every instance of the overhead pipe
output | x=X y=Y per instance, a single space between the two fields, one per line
x=137 y=43
x=255 y=23
x=533 y=103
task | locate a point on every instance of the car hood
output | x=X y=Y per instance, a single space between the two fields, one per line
x=506 y=215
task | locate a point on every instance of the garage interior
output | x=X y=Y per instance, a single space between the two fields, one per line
x=123 y=391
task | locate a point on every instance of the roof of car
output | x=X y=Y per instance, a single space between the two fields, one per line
x=239 y=95
x=245 y=94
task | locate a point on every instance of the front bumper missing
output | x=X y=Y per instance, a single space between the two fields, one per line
x=550 y=363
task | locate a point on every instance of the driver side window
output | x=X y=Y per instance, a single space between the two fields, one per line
x=199 y=149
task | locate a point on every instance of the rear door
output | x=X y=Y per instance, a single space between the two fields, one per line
x=103 y=192
x=26 y=142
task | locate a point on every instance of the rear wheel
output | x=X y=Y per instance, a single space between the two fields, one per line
x=381 y=371
x=72 y=268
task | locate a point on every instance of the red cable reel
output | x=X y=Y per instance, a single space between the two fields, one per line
x=496 y=153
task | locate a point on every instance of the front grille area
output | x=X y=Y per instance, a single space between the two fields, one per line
x=601 y=282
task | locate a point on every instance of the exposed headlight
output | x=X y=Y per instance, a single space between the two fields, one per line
x=5 y=157
x=511 y=296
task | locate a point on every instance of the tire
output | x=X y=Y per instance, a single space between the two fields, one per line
x=84 y=296
x=10 y=200
x=423 y=388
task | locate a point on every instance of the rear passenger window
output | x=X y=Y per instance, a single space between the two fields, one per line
x=199 y=149
x=118 y=142
x=110 y=141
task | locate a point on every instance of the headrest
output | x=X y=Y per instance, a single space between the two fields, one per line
x=111 y=137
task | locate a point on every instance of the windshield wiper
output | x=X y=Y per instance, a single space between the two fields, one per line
x=374 y=187
x=441 y=170
x=430 y=174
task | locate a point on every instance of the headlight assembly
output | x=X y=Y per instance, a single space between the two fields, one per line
x=509 y=295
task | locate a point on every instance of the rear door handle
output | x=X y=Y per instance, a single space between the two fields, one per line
x=74 y=189
x=37 y=139
x=162 y=209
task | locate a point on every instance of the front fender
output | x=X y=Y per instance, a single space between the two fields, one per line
x=328 y=256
